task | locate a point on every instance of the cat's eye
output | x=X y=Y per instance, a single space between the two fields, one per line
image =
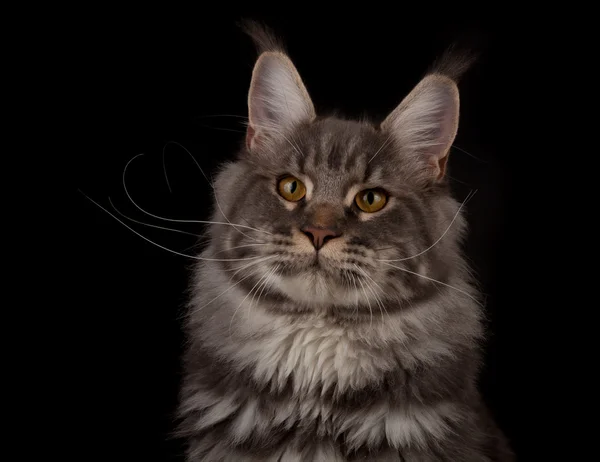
x=371 y=200
x=292 y=189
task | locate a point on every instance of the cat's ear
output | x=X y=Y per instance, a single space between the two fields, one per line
x=425 y=123
x=277 y=99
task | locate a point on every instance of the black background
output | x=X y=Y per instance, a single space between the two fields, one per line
x=146 y=78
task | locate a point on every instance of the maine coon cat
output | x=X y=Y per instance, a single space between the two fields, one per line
x=332 y=315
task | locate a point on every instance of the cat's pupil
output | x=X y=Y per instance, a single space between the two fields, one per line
x=293 y=186
x=370 y=197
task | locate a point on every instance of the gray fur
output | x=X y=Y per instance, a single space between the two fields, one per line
x=349 y=358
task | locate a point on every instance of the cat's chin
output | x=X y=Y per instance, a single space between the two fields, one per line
x=317 y=287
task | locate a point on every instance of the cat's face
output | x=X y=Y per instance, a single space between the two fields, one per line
x=343 y=211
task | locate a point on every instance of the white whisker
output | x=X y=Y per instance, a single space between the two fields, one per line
x=189 y=154
x=274 y=128
x=377 y=297
x=224 y=216
x=225 y=291
x=211 y=183
x=223 y=115
x=160 y=246
x=237 y=269
x=240 y=247
x=264 y=286
x=436 y=281
x=469 y=154
x=385 y=143
x=261 y=288
x=353 y=280
x=268 y=280
x=177 y=220
x=469 y=196
x=262 y=279
x=165 y=168
x=367 y=298
x=150 y=225
x=243 y=300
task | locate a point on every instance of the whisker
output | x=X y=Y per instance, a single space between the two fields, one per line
x=160 y=246
x=377 y=297
x=262 y=279
x=436 y=281
x=404 y=241
x=367 y=275
x=261 y=288
x=211 y=183
x=222 y=115
x=177 y=220
x=243 y=300
x=351 y=278
x=239 y=247
x=194 y=159
x=356 y=289
x=196 y=245
x=384 y=248
x=225 y=291
x=385 y=143
x=274 y=128
x=150 y=225
x=165 y=168
x=225 y=216
x=220 y=128
x=469 y=154
x=469 y=196
x=237 y=269
x=454 y=146
x=457 y=180
x=270 y=276
x=367 y=298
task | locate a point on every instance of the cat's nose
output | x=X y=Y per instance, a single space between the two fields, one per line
x=320 y=236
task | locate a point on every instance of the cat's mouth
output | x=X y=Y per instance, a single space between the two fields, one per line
x=315 y=262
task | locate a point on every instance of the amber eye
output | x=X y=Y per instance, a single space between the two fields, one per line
x=292 y=189
x=371 y=200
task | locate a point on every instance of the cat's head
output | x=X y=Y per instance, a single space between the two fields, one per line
x=347 y=213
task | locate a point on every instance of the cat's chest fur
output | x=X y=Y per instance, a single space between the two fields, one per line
x=315 y=355
x=313 y=376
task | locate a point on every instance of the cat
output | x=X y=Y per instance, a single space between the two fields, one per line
x=332 y=316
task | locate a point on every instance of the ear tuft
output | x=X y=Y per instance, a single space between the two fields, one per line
x=263 y=37
x=454 y=62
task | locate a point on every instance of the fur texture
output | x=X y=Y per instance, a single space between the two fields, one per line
x=367 y=349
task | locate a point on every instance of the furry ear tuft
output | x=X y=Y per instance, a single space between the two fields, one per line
x=454 y=62
x=263 y=37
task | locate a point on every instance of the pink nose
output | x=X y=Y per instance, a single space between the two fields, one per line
x=319 y=236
